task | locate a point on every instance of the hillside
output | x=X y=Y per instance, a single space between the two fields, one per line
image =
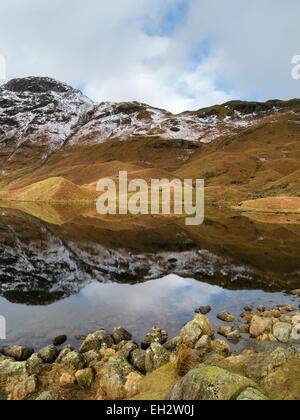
x=55 y=143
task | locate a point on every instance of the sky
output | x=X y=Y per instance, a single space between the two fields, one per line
x=173 y=54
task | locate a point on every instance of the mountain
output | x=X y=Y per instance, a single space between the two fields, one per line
x=48 y=130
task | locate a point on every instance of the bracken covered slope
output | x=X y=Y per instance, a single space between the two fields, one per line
x=243 y=150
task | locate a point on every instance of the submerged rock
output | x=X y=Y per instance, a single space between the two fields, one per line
x=226 y=316
x=59 y=340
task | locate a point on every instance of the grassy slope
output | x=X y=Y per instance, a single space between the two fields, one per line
x=259 y=162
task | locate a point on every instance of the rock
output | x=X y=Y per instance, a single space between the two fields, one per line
x=126 y=350
x=132 y=384
x=25 y=389
x=11 y=371
x=204 y=310
x=244 y=329
x=106 y=354
x=67 y=379
x=296 y=320
x=282 y=332
x=220 y=347
x=156 y=357
x=19 y=353
x=288 y=308
x=174 y=344
x=59 y=340
x=89 y=344
x=66 y=350
x=251 y=394
x=49 y=354
x=193 y=331
x=205 y=326
x=91 y=356
x=204 y=344
x=85 y=378
x=234 y=336
x=138 y=360
x=79 y=337
x=74 y=361
x=207 y=382
x=49 y=396
x=226 y=316
x=249 y=308
x=295 y=335
x=296 y=292
x=156 y=335
x=113 y=380
x=285 y=318
x=96 y=341
x=260 y=326
x=224 y=331
x=34 y=364
x=266 y=362
x=120 y=334
x=261 y=308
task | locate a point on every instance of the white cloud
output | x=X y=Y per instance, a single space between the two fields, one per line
x=125 y=50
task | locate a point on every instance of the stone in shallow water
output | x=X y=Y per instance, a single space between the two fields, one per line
x=59 y=340
x=120 y=334
x=226 y=316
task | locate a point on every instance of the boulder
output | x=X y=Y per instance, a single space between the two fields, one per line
x=120 y=334
x=19 y=353
x=11 y=371
x=59 y=340
x=90 y=343
x=204 y=344
x=91 y=356
x=260 y=367
x=224 y=331
x=74 y=361
x=85 y=378
x=132 y=384
x=204 y=310
x=156 y=357
x=174 y=344
x=207 y=382
x=191 y=333
x=156 y=335
x=295 y=335
x=138 y=360
x=49 y=396
x=282 y=332
x=113 y=380
x=127 y=349
x=220 y=347
x=205 y=326
x=34 y=364
x=251 y=394
x=226 y=316
x=260 y=326
x=25 y=388
x=66 y=350
x=48 y=354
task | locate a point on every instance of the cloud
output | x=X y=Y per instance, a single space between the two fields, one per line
x=174 y=54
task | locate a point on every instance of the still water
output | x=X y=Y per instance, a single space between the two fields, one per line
x=72 y=273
